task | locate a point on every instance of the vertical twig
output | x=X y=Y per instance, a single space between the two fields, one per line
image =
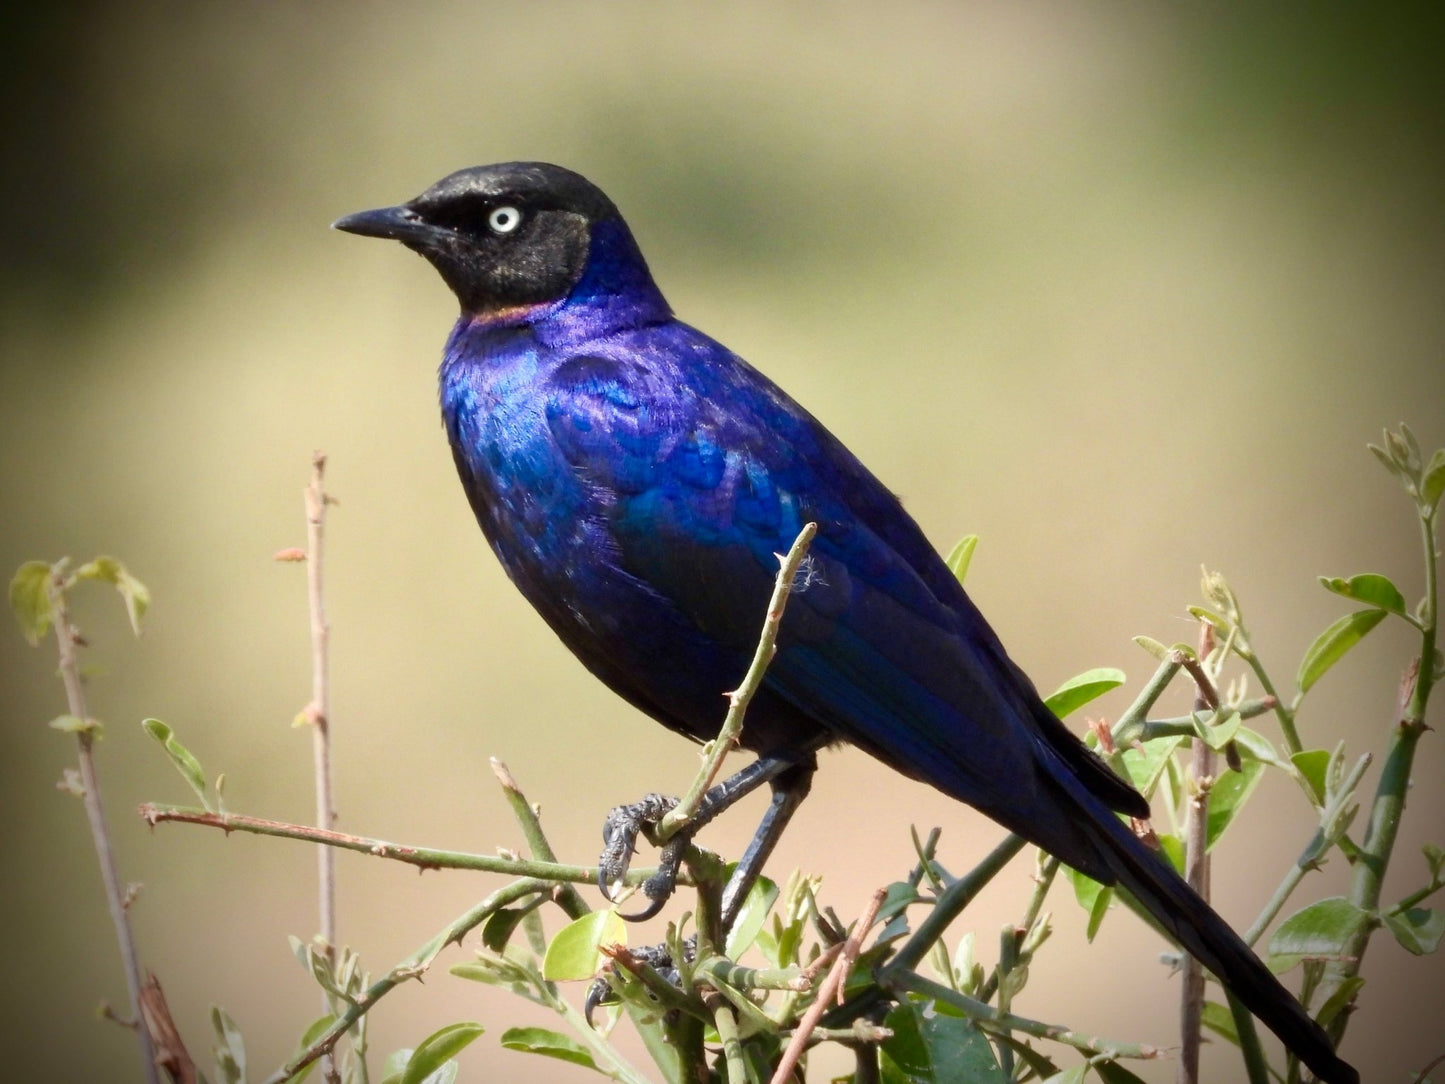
x=1196 y=866
x=66 y=638
x=318 y=713
x=832 y=988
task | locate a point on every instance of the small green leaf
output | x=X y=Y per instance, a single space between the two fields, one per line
x=1433 y=485
x=1172 y=848
x=230 y=1047
x=1255 y=745
x=1343 y=996
x=1074 y=1074
x=136 y=595
x=960 y=556
x=1218 y=1019
x=1231 y=790
x=549 y=1044
x=438 y=1048
x=498 y=929
x=1153 y=646
x=1418 y=929
x=1218 y=734
x=1370 y=588
x=1312 y=765
x=1434 y=859
x=30 y=599
x=181 y=757
x=1215 y=621
x=308 y=1037
x=74 y=724
x=751 y=916
x=1145 y=767
x=1111 y=1072
x=575 y=952
x=930 y=1047
x=1092 y=896
x=1330 y=646
x=1322 y=930
x=1080 y=689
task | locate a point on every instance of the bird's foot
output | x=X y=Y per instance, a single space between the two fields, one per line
x=657 y=957
x=619 y=838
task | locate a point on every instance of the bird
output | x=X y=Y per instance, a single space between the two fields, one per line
x=636 y=480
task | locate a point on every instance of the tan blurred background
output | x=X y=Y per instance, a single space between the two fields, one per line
x=1124 y=289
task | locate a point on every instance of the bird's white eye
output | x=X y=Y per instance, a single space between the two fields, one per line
x=504 y=219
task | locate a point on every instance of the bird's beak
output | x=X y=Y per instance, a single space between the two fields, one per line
x=393 y=223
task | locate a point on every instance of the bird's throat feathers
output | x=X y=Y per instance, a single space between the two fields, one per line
x=615 y=293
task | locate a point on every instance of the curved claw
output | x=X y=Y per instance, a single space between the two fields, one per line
x=597 y=993
x=654 y=905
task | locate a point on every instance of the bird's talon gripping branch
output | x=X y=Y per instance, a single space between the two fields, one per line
x=657 y=957
x=619 y=843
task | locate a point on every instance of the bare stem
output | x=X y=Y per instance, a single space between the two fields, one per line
x=984 y=1016
x=1196 y=860
x=318 y=713
x=830 y=989
x=422 y=857
x=115 y=896
x=741 y=697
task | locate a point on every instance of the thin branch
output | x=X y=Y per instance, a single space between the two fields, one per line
x=741 y=697
x=66 y=638
x=568 y=898
x=318 y=715
x=422 y=857
x=831 y=988
x=1196 y=862
x=984 y=1016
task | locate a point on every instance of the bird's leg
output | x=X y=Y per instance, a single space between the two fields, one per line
x=790 y=786
x=789 y=790
x=624 y=822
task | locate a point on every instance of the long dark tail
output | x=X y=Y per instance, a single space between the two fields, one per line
x=1210 y=940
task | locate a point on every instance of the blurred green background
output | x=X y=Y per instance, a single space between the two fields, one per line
x=1122 y=288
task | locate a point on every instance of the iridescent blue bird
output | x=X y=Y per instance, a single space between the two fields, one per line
x=636 y=479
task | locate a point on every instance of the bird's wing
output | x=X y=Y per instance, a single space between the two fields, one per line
x=708 y=475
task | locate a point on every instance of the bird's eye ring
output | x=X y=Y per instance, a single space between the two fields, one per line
x=504 y=219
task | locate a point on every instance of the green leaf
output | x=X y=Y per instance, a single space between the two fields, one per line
x=1343 y=996
x=1111 y=1072
x=1434 y=859
x=1144 y=768
x=1073 y=1075
x=136 y=595
x=1370 y=588
x=931 y=1047
x=1080 y=689
x=1255 y=745
x=230 y=1047
x=1092 y=896
x=1330 y=646
x=498 y=929
x=30 y=599
x=181 y=757
x=436 y=1049
x=549 y=1044
x=1418 y=929
x=575 y=952
x=1313 y=764
x=961 y=554
x=1218 y=1019
x=1321 y=930
x=308 y=1037
x=1433 y=485
x=1217 y=622
x=751 y=916
x=1218 y=734
x=1231 y=790
x=1153 y=646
